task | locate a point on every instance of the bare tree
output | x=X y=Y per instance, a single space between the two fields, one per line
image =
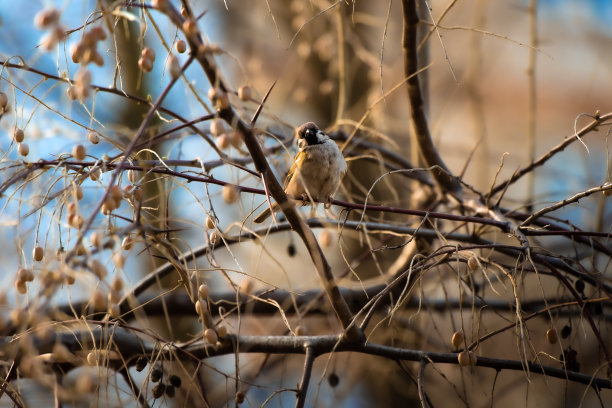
x=141 y=277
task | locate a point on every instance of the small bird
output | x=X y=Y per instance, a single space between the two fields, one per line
x=316 y=171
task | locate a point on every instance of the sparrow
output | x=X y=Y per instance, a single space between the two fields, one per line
x=316 y=171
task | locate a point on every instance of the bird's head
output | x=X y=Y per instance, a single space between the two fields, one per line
x=309 y=134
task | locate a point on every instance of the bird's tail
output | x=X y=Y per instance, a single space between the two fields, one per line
x=265 y=214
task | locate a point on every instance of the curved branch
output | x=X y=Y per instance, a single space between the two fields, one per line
x=418 y=119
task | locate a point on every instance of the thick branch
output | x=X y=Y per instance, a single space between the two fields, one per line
x=418 y=119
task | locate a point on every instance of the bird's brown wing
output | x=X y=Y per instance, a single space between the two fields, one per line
x=297 y=161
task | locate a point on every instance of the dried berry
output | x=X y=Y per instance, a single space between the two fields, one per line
x=551 y=336
x=566 y=331
x=156 y=375
x=175 y=381
x=158 y=390
x=333 y=380
x=457 y=340
x=180 y=46
x=244 y=93
x=141 y=363
x=38 y=253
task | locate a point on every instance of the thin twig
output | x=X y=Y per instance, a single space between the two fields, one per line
x=303 y=387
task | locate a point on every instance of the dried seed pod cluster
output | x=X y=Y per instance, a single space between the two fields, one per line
x=24 y=275
x=86 y=50
x=81 y=88
x=48 y=19
x=75 y=220
x=147 y=58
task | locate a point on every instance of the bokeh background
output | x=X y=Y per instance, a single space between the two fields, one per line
x=480 y=107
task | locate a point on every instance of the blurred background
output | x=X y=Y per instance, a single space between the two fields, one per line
x=338 y=64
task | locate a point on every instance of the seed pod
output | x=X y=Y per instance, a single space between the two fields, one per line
x=93 y=138
x=18 y=135
x=118 y=260
x=141 y=363
x=46 y=18
x=72 y=93
x=216 y=127
x=174 y=67
x=215 y=238
x=18 y=316
x=95 y=174
x=160 y=4
x=117 y=284
x=78 y=191
x=158 y=390
x=98 y=33
x=211 y=336
x=38 y=253
x=92 y=358
x=457 y=340
x=25 y=275
x=244 y=93
x=156 y=375
x=223 y=142
x=210 y=222
x=551 y=336
x=200 y=307
x=115 y=192
x=222 y=331
x=99 y=301
x=96 y=239
x=78 y=151
x=180 y=46
x=190 y=28
x=236 y=139
x=325 y=238
x=71 y=208
x=466 y=358
x=148 y=53
x=145 y=65
x=239 y=397
x=97 y=58
x=203 y=291
x=21 y=287
x=127 y=243
x=472 y=263
x=137 y=193
x=97 y=268
x=23 y=149
x=175 y=381
x=75 y=220
x=114 y=311
x=114 y=296
x=230 y=194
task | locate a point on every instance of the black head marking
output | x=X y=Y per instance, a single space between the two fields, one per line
x=309 y=132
